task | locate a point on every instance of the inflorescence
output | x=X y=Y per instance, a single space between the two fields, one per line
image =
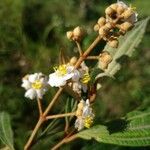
x=119 y=19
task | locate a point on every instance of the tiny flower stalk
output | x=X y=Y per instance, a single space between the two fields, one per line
x=74 y=75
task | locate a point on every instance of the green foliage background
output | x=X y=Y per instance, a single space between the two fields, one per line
x=32 y=32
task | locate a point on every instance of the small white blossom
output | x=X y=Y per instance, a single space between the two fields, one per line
x=35 y=84
x=62 y=74
x=84 y=115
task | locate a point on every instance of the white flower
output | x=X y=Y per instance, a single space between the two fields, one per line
x=84 y=115
x=35 y=84
x=62 y=74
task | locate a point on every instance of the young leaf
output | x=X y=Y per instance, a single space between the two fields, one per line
x=6 y=133
x=133 y=130
x=127 y=45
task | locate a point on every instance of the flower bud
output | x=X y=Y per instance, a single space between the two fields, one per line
x=114 y=6
x=103 y=31
x=104 y=60
x=126 y=26
x=79 y=112
x=73 y=60
x=96 y=27
x=127 y=13
x=113 y=43
x=78 y=31
x=81 y=105
x=108 y=25
x=109 y=11
x=101 y=21
x=120 y=9
x=69 y=35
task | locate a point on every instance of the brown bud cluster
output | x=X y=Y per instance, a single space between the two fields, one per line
x=104 y=60
x=76 y=34
x=118 y=20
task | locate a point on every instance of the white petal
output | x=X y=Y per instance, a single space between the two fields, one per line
x=84 y=87
x=26 y=84
x=70 y=69
x=55 y=80
x=40 y=93
x=76 y=75
x=67 y=76
x=31 y=93
x=33 y=77
x=79 y=123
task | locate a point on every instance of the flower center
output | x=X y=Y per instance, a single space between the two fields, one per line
x=88 y=121
x=61 y=70
x=86 y=78
x=37 y=84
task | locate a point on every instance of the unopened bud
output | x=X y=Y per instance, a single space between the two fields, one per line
x=78 y=31
x=109 y=11
x=73 y=60
x=120 y=9
x=114 y=6
x=113 y=43
x=79 y=112
x=103 y=31
x=126 y=26
x=96 y=27
x=127 y=13
x=69 y=35
x=101 y=21
x=104 y=60
x=81 y=105
x=108 y=25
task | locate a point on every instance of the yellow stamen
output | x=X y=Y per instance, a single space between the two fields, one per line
x=88 y=121
x=37 y=84
x=62 y=70
x=86 y=78
x=132 y=7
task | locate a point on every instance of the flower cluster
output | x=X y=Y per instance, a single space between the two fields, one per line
x=119 y=19
x=76 y=34
x=84 y=115
x=36 y=84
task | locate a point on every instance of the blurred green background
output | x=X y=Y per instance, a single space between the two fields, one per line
x=32 y=32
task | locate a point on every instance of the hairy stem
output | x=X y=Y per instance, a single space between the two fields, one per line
x=86 y=53
x=42 y=119
x=60 y=115
x=93 y=57
x=79 y=48
x=65 y=140
x=39 y=106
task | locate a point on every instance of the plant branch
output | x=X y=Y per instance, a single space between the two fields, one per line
x=39 y=106
x=65 y=140
x=60 y=115
x=42 y=119
x=86 y=53
x=79 y=48
x=53 y=101
x=93 y=57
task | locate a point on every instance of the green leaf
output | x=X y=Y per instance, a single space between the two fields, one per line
x=132 y=130
x=6 y=133
x=95 y=71
x=127 y=45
